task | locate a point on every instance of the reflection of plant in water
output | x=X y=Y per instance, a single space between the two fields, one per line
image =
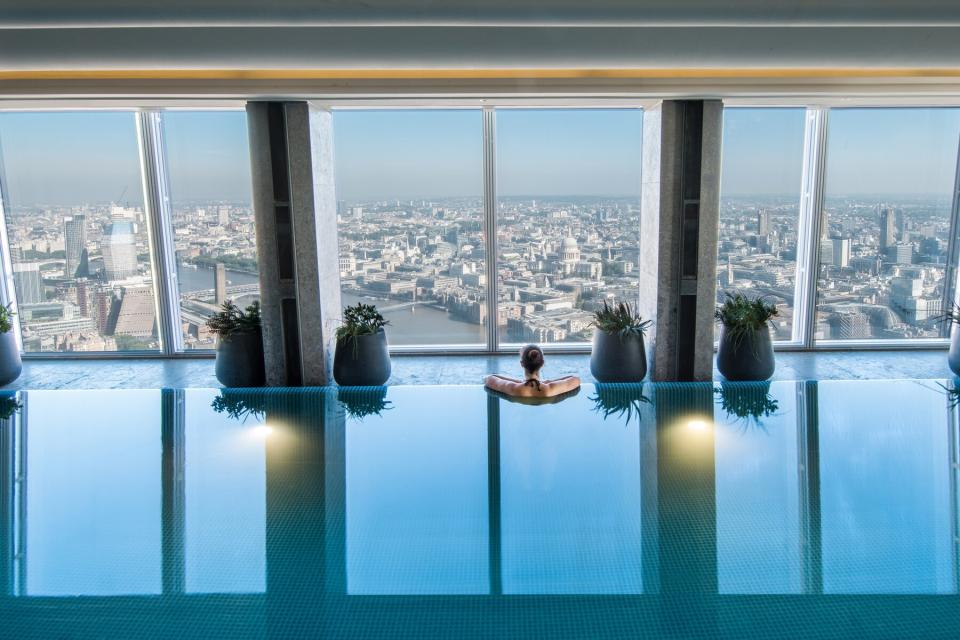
x=953 y=394
x=748 y=401
x=9 y=405
x=360 y=402
x=241 y=405
x=617 y=399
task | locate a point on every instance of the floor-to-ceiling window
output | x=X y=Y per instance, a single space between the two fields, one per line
x=77 y=232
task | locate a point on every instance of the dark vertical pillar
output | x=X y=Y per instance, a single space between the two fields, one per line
x=678 y=235
x=173 y=491
x=291 y=151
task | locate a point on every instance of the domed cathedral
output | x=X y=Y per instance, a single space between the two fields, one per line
x=569 y=255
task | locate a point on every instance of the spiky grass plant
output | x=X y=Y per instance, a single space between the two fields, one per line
x=231 y=320
x=6 y=318
x=360 y=320
x=742 y=316
x=619 y=319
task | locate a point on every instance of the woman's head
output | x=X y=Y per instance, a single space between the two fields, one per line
x=531 y=358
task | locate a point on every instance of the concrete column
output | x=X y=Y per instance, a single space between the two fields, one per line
x=291 y=150
x=678 y=235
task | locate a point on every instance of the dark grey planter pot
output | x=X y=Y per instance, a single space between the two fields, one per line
x=362 y=361
x=240 y=360
x=953 y=356
x=617 y=358
x=751 y=359
x=10 y=365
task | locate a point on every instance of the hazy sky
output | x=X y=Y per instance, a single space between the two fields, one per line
x=83 y=157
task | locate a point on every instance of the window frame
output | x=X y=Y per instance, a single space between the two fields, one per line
x=154 y=174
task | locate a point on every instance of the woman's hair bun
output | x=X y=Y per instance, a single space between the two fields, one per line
x=531 y=357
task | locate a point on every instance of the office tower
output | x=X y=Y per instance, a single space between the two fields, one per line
x=119 y=250
x=75 y=245
x=888 y=228
x=29 y=284
x=223 y=216
x=136 y=315
x=103 y=300
x=841 y=252
x=900 y=253
x=763 y=222
x=826 y=252
x=83 y=297
x=220 y=284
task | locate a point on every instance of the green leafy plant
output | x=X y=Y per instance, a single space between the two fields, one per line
x=750 y=402
x=619 y=400
x=360 y=320
x=742 y=316
x=231 y=320
x=6 y=318
x=620 y=319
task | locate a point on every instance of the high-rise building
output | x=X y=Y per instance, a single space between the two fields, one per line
x=220 y=284
x=223 y=215
x=900 y=253
x=75 y=245
x=136 y=315
x=119 y=250
x=103 y=303
x=841 y=252
x=888 y=228
x=763 y=222
x=28 y=282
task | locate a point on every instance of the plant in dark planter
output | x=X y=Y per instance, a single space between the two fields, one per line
x=746 y=350
x=952 y=319
x=239 y=345
x=618 y=353
x=749 y=402
x=362 y=357
x=10 y=365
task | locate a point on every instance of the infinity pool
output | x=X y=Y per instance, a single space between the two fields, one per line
x=788 y=510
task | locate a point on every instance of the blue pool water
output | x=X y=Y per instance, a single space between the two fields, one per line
x=788 y=510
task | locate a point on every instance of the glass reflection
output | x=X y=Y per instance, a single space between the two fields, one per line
x=92 y=493
x=886 y=491
x=225 y=481
x=416 y=495
x=758 y=488
x=570 y=500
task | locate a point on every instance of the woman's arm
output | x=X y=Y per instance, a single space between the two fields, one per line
x=502 y=384
x=560 y=385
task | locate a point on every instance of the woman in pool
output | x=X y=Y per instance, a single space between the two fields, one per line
x=531 y=359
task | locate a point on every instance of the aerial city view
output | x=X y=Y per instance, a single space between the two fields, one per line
x=82 y=270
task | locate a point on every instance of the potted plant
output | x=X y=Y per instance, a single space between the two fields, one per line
x=618 y=352
x=953 y=356
x=362 y=357
x=239 y=345
x=746 y=349
x=10 y=364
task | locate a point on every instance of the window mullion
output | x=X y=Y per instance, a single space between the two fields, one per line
x=156 y=192
x=950 y=299
x=8 y=292
x=490 y=223
x=811 y=215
